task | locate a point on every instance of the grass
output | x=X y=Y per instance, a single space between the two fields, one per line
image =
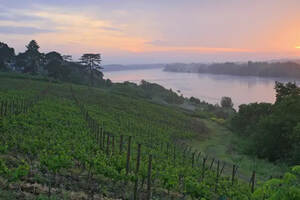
x=223 y=144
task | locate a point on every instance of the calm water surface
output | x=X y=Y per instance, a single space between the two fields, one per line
x=208 y=87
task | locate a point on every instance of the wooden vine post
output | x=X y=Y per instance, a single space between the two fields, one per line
x=193 y=159
x=128 y=155
x=135 y=193
x=174 y=156
x=98 y=135
x=218 y=174
x=113 y=145
x=101 y=137
x=149 y=178
x=234 y=170
x=121 y=144
x=212 y=162
x=183 y=156
x=203 y=166
x=222 y=168
x=252 y=181
x=107 y=144
x=1 y=107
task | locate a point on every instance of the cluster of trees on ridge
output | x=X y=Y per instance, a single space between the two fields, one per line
x=272 y=130
x=262 y=69
x=52 y=64
x=87 y=71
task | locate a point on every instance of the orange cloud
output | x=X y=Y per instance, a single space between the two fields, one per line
x=99 y=35
x=89 y=33
x=196 y=49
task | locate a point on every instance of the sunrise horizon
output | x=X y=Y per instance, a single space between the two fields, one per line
x=129 y=32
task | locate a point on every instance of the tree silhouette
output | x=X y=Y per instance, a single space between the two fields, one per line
x=31 y=60
x=54 y=65
x=226 y=102
x=92 y=62
x=33 y=46
x=6 y=55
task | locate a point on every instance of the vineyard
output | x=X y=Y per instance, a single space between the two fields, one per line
x=63 y=141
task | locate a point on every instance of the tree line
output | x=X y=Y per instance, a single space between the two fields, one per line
x=261 y=69
x=53 y=64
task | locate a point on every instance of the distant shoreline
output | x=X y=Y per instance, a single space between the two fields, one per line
x=285 y=70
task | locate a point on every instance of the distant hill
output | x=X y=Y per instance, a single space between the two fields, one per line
x=262 y=69
x=117 y=67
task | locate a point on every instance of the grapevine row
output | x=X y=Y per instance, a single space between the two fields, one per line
x=17 y=106
x=185 y=153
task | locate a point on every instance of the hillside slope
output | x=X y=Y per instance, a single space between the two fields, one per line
x=74 y=142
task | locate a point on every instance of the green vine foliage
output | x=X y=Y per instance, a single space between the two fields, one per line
x=53 y=139
x=287 y=188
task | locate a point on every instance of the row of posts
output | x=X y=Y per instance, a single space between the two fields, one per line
x=17 y=106
x=13 y=107
x=102 y=137
x=220 y=169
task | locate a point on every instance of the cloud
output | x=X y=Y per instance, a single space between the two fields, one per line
x=22 y=30
x=17 y=17
x=188 y=46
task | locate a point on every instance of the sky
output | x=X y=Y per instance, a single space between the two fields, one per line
x=156 y=31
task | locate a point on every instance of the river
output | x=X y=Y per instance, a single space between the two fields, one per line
x=208 y=87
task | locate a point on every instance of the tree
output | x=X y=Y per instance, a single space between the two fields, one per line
x=92 y=62
x=285 y=90
x=56 y=66
x=277 y=134
x=33 y=46
x=245 y=121
x=53 y=55
x=7 y=55
x=295 y=155
x=31 y=60
x=195 y=100
x=273 y=131
x=67 y=58
x=226 y=102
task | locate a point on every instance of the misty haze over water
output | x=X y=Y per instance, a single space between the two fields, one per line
x=208 y=87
